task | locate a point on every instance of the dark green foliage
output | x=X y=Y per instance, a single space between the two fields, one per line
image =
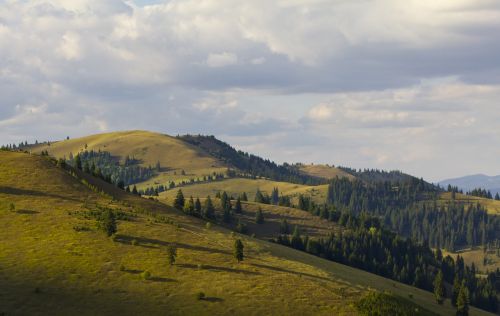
x=171 y=254
x=284 y=227
x=237 y=208
x=108 y=222
x=12 y=207
x=227 y=216
x=200 y=296
x=209 y=209
x=238 y=250
x=179 y=200
x=262 y=198
x=455 y=289
x=244 y=197
x=497 y=197
x=439 y=289
x=275 y=197
x=463 y=300
x=259 y=216
x=483 y=193
x=189 y=207
x=197 y=208
x=296 y=241
x=382 y=304
x=102 y=165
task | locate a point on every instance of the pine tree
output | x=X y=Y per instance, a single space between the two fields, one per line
x=227 y=217
x=108 y=223
x=455 y=290
x=237 y=208
x=189 y=206
x=171 y=254
x=238 y=250
x=497 y=197
x=296 y=241
x=78 y=162
x=179 y=200
x=244 y=197
x=259 y=198
x=197 y=207
x=463 y=300
x=275 y=196
x=259 y=217
x=284 y=229
x=158 y=166
x=134 y=190
x=439 y=289
x=209 y=210
x=224 y=199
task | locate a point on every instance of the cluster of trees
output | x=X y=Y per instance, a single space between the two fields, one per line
x=364 y=244
x=376 y=175
x=482 y=193
x=101 y=164
x=275 y=198
x=250 y=165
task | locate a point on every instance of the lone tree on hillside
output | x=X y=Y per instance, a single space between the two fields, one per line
x=109 y=223
x=171 y=254
x=238 y=250
x=179 y=200
x=439 y=289
x=259 y=217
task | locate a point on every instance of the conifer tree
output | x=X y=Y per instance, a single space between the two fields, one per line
x=284 y=229
x=108 y=223
x=455 y=290
x=439 y=289
x=189 y=206
x=244 y=197
x=227 y=217
x=463 y=300
x=238 y=250
x=78 y=162
x=171 y=254
x=275 y=196
x=134 y=190
x=209 y=210
x=197 y=207
x=259 y=216
x=179 y=200
x=296 y=241
x=497 y=197
x=237 y=207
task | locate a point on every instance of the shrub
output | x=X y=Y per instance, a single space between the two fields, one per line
x=200 y=296
x=134 y=242
x=146 y=275
x=208 y=225
x=12 y=207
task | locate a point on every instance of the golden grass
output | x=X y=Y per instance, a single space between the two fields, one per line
x=237 y=186
x=492 y=206
x=324 y=171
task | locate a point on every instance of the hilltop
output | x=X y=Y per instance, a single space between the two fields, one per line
x=469 y=183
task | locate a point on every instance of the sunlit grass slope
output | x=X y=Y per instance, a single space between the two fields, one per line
x=492 y=206
x=174 y=155
x=237 y=186
x=48 y=267
x=324 y=171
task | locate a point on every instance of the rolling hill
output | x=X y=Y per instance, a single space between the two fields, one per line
x=56 y=261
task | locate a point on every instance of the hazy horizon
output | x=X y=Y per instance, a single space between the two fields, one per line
x=412 y=86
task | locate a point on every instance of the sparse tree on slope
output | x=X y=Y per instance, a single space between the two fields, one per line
x=109 y=223
x=179 y=200
x=171 y=254
x=463 y=300
x=238 y=250
x=209 y=210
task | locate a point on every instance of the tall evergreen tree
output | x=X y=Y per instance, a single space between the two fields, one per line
x=171 y=254
x=209 y=210
x=244 y=197
x=189 y=206
x=463 y=300
x=197 y=207
x=108 y=222
x=259 y=216
x=455 y=290
x=497 y=197
x=237 y=208
x=275 y=196
x=78 y=162
x=179 y=200
x=439 y=289
x=238 y=250
x=296 y=241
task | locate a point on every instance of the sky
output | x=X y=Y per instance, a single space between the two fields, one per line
x=410 y=85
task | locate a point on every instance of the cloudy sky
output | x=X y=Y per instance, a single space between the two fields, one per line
x=411 y=85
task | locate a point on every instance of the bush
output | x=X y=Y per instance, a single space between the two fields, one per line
x=200 y=296
x=146 y=275
x=12 y=207
x=208 y=225
x=134 y=242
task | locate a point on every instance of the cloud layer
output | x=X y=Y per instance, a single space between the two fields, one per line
x=412 y=85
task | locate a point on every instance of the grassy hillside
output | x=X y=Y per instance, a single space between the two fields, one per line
x=324 y=171
x=492 y=206
x=237 y=186
x=173 y=154
x=49 y=267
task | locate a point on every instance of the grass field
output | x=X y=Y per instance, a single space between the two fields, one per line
x=477 y=256
x=324 y=171
x=492 y=206
x=237 y=186
x=47 y=267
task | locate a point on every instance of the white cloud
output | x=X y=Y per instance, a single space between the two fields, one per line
x=221 y=60
x=320 y=112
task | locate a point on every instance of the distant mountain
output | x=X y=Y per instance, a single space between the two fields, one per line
x=471 y=182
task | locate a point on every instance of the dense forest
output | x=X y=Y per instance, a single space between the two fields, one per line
x=248 y=164
x=366 y=245
x=401 y=208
